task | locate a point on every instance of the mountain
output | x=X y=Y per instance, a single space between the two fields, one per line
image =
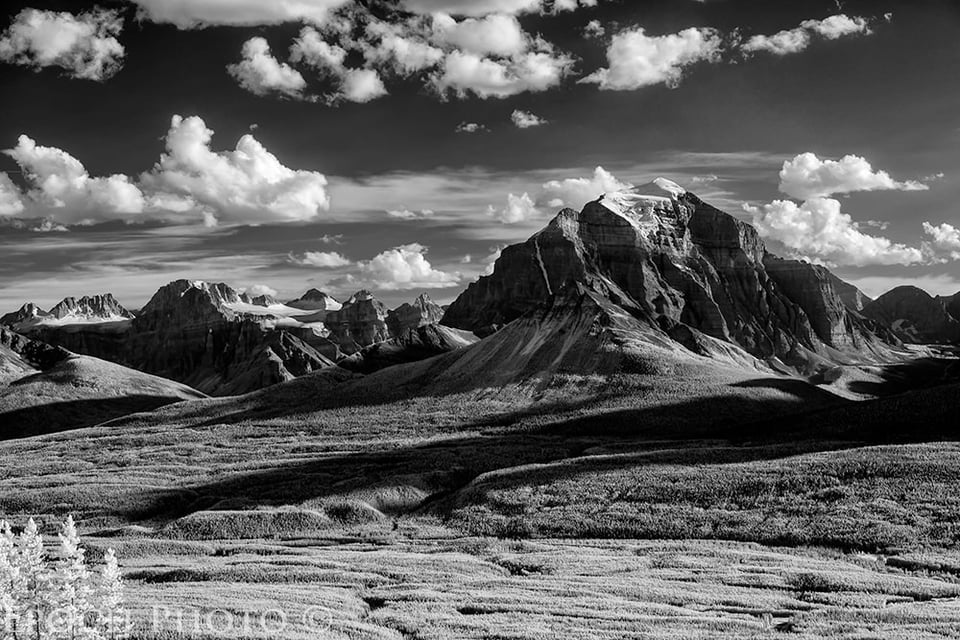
x=422 y=312
x=44 y=389
x=952 y=304
x=97 y=309
x=314 y=300
x=915 y=316
x=201 y=334
x=677 y=265
x=29 y=313
x=223 y=342
x=360 y=322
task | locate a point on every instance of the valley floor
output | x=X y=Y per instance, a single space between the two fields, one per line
x=390 y=586
x=701 y=504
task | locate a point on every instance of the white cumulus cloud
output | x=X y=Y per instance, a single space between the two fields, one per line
x=248 y=184
x=470 y=127
x=321 y=259
x=818 y=230
x=464 y=73
x=497 y=34
x=262 y=74
x=576 y=192
x=945 y=236
x=313 y=49
x=525 y=119
x=796 y=40
x=11 y=202
x=262 y=290
x=84 y=44
x=361 y=85
x=405 y=267
x=837 y=26
x=472 y=8
x=517 y=209
x=637 y=60
x=807 y=176
x=780 y=44
x=60 y=186
x=594 y=29
x=190 y=14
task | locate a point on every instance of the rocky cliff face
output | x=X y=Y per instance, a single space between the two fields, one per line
x=915 y=316
x=670 y=260
x=360 y=322
x=422 y=312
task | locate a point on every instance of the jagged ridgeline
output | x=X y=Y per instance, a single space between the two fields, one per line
x=223 y=342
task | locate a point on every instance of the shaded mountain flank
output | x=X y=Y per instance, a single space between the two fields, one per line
x=915 y=316
x=45 y=389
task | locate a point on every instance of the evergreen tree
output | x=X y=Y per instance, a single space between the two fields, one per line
x=113 y=615
x=9 y=582
x=35 y=578
x=72 y=588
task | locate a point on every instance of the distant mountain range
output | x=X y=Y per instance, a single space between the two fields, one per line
x=222 y=342
x=655 y=267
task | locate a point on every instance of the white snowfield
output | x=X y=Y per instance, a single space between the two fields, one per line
x=644 y=204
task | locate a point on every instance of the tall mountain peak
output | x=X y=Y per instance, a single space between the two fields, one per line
x=668 y=259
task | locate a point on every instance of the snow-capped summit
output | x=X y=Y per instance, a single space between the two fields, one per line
x=97 y=309
x=659 y=197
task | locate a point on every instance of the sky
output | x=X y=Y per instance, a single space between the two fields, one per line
x=399 y=146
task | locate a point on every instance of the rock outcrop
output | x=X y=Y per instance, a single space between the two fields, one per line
x=915 y=316
x=671 y=260
x=422 y=312
x=360 y=322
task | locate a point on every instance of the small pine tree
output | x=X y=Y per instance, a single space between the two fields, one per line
x=72 y=588
x=35 y=578
x=9 y=581
x=31 y=588
x=113 y=615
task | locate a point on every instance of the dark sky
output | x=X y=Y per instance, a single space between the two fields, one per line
x=889 y=96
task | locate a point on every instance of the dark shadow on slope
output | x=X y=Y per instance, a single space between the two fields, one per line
x=711 y=430
x=901 y=377
x=630 y=438
x=75 y=414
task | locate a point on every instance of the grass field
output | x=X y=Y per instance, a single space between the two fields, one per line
x=704 y=504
